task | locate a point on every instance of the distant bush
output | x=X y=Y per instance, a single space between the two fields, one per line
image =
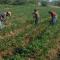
x=58 y=3
x=44 y=3
x=19 y=2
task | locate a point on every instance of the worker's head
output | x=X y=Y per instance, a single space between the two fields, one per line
x=35 y=10
x=50 y=12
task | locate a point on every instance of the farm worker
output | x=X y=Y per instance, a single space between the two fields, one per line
x=53 y=16
x=2 y=17
x=8 y=13
x=36 y=16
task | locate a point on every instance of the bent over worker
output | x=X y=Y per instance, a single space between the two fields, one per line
x=36 y=16
x=53 y=17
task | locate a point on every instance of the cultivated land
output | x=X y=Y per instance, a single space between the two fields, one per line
x=39 y=42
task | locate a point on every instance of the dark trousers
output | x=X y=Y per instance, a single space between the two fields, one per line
x=53 y=20
x=36 y=20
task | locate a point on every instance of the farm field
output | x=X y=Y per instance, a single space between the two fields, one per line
x=22 y=40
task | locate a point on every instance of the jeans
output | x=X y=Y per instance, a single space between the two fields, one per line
x=53 y=20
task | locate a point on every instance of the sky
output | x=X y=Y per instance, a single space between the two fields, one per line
x=50 y=0
x=53 y=0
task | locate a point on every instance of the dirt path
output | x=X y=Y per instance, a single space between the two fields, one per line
x=54 y=6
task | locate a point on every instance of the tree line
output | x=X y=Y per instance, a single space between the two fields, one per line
x=16 y=2
x=20 y=2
